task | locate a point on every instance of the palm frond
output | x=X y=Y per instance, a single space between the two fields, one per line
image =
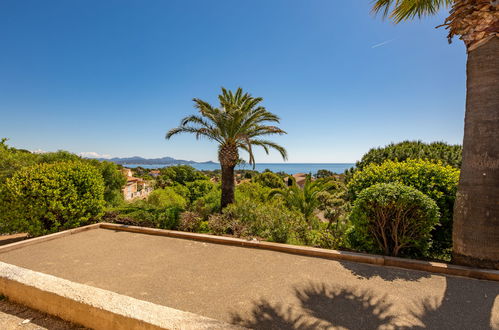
x=400 y=10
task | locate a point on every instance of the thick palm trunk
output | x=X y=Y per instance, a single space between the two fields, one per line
x=227 y=186
x=228 y=156
x=476 y=212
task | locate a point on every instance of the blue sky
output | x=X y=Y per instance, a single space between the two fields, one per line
x=111 y=77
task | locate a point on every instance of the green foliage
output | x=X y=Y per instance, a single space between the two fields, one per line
x=436 y=152
x=114 y=181
x=323 y=174
x=303 y=200
x=166 y=198
x=45 y=198
x=199 y=188
x=247 y=217
x=12 y=159
x=401 y=10
x=270 y=180
x=253 y=191
x=142 y=214
x=239 y=121
x=179 y=174
x=325 y=238
x=434 y=180
x=393 y=218
x=208 y=204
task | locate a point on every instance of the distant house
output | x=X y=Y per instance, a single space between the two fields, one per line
x=299 y=178
x=154 y=173
x=135 y=187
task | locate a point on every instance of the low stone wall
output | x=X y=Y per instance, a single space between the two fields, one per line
x=434 y=267
x=93 y=307
x=101 y=309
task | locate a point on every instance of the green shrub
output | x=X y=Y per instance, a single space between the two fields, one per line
x=208 y=204
x=114 y=180
x=393 y=218
x=166 y=198
x=270 y=180
x=49 y=197
x=180 y=174
x=324 y=238
x=142 y=214
x=436 y=152
x=199 y=188
x=321 y=174
x=271 y=220
x=434 y=180
x=252 y=190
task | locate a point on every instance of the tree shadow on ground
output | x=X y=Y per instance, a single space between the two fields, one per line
x=320 y=307
x=466 y=304
x=365 y=271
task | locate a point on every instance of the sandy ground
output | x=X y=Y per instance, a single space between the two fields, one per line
x=264 y=289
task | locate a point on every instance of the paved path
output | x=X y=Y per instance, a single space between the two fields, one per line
x=264 y=289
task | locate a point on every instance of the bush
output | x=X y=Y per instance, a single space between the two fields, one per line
x=436 y=152
x=252 y=190
x=208 y=204
x=270 y=180
x=190 y=221
x=166 y=198
x=324 y=238
x=394 y=218
x=270 y=220
x=434 y=180
x=46 y=198
x=180 y=174
x=141 y=213
x=321 y=174
x=199 y=188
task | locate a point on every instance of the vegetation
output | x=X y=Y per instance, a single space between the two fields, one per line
x=438 y=152
x=270 y=180
x=179 y=174
x=476 y=220
x=392 y=218
x=434 y=180
x=45 y=198
x=413 y=198
x=304 y=200
x=239 y=122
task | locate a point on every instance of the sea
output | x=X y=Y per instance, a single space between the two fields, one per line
x=289 y=168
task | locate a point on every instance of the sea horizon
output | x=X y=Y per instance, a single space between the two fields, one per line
x=289 y=168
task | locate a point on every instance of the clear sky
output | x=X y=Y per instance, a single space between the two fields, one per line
x=111 y=77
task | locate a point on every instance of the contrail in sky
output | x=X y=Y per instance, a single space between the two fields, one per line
x=382 y=43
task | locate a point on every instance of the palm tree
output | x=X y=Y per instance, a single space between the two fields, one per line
x=239 y=122
x=476 y=211
x=305 y=200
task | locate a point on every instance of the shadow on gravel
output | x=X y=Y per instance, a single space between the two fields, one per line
x=321 y=307
x=365 y=271
x=466 y=304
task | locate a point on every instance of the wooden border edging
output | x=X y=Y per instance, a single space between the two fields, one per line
x=93 y=307
x=428 y=266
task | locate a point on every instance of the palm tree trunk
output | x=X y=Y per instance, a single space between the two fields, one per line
x=476 y=212
x=227 y=186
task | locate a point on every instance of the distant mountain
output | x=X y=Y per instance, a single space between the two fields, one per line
x=136 y=160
